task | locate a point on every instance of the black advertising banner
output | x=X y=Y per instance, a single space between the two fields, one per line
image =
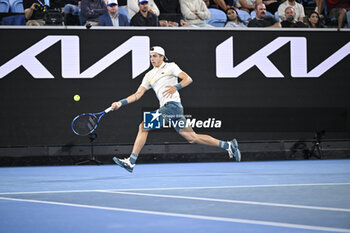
x=253 y=85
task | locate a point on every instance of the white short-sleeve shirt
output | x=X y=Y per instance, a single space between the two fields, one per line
x=159 y=78
x=299 y=10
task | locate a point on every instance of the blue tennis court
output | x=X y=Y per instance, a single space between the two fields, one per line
x=274 y=196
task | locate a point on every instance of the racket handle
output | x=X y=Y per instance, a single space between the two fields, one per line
x=108 y=110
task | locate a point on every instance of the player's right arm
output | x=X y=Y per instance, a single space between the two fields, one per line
x=130 y=99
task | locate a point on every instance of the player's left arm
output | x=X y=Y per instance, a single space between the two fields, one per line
x=185 y=81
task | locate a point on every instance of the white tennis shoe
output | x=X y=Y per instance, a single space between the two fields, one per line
x=124 y=163
x=233 y=150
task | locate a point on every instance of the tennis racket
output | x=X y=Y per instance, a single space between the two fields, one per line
x=86 y=123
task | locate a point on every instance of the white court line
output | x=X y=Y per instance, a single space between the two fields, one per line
x=232 y=187
x=202 y=217
x=180 y=188
x=231 y=201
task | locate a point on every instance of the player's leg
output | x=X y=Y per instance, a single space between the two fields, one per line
x=129 y=163
x=193 y=137
x=139 y=143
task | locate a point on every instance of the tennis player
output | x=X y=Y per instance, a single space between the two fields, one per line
x=163 y=78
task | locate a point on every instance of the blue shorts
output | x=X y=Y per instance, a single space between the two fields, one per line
x=173 y=113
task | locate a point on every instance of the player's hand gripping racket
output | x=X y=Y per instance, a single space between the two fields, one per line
x=86 y=123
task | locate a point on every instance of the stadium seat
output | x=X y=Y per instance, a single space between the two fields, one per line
x=277 y=18
x=217 y=18
x=244 y=16
x=4 y=6
x=17 y=6
x=124 y=11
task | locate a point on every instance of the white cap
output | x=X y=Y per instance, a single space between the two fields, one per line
x=112 y=2
x=159 y=50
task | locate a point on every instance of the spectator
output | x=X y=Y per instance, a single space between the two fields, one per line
x=170 y=13
x=221 y=4
x=133 y=7
x=33 y=13
x=70 y=8
x=272 y=5
x=339 y=9
x=319 y=7
x=144 y=17
x=261 y=20
x=314 y=21
x=233 y=20
x=290 y=21
x=72 y=13
x=91 y=10
x=299 y=10
x=112 y=18
x=51 y=10
x=195 y=12
x=247 y=5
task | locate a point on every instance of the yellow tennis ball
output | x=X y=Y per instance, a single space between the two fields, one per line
x=76 y=97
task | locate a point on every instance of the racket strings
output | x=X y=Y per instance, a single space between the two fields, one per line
x=85 y=124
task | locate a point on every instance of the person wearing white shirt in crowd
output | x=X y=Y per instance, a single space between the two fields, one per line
x=195 y=12
x=133 y=7
x=299 y=10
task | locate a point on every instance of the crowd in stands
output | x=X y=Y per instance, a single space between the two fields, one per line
x=180 y=13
